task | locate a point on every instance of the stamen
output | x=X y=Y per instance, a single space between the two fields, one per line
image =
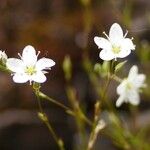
x=30 y=70
x=128 y=86
x=106 y=35
x=126 y=33
x=44 y=72
x=116 y=49
x=38 y=53
x=19 y=55
x=48 y=68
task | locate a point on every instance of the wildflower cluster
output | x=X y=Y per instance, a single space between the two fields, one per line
x=115 y=45
x=118 y=46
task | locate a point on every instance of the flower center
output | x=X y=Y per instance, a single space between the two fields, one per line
x=129 y=86
x=30 y=70
x=116 y=49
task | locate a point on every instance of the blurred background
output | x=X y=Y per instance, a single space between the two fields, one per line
x=58 y=28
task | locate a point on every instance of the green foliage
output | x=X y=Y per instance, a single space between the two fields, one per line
x=103 y=69
x=119 y=66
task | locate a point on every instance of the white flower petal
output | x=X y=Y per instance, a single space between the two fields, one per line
x=39 y=77
x=127 y=44
x=15 y=65
x=134 y=97
x=44 y=63
x=133 y=73
x=29 y=55
x=102 y=43
x=123 y=53
x=106 y=55
x=121 y=87
x=20 y=78
x=120 y=100
x=115 y=32
x=139 y=81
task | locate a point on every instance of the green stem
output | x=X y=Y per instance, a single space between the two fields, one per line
x=103 y=96
x=42 y=95
x=116 y=78
x=97 y=106
x=134 y=113
x=39 y=103
x=106 y=88
x=79 y=116
x=44 y=118
x=68 y=110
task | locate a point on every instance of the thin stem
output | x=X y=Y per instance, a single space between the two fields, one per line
x=134 y=113
x=44 y=118
x=86 y=119
x=103 y=96
x=39 y=103
x=71 y=93
x=116 y=78
x=53 y=133
x=111 y=75
x=106 y=88
x=93 y=134
x=68 y=110
x=44 y=115
x=57 y=103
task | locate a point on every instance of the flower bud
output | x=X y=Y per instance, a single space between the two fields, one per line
x=3 y=57
x=67 y=68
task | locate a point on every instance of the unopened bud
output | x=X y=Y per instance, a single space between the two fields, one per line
x=67 y=67
x=3 y=57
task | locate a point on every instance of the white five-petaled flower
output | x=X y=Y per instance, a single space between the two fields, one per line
x=129 y=88
x=28 y=68
x=116 y=45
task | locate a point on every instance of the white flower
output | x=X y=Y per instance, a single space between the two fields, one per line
x=116 y=45
x=129 y=88
x=28 y=68
x=3 y=57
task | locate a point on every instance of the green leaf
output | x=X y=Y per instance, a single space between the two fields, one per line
x=120 y=65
